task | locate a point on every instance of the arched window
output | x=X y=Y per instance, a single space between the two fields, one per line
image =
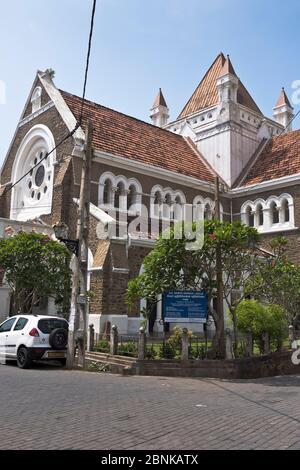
x=36 y=99
x=285 y=211
x=132 y=196
x=198 y=211
x=33 y=195
x=178 y=209
x=207 y=212
x=107 y=192
x=120 y=195
x=250 y=216
x=167 y=206
x=274 y=213
x=259 y=215
x=157 y=203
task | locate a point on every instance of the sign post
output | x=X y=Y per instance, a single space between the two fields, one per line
x=185 y=306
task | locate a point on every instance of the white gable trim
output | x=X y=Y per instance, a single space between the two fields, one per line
x=61 y=106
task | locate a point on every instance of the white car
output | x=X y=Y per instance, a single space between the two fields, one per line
x=26 y=338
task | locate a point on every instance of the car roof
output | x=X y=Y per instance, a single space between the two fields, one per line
x=40 y=317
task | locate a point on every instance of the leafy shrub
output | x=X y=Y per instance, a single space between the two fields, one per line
x=150 y=353
x=102 y=346
x=199 y=352
x=167 y=350
x=130 y=348
x=262 y=318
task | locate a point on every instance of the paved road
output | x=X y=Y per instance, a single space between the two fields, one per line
x=49 y=408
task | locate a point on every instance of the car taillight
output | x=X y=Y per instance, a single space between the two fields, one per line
x=34 y=332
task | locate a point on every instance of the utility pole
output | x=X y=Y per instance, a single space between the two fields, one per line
x=219 y=277
x=79 y=305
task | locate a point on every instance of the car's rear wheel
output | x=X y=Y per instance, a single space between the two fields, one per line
x=23 y=358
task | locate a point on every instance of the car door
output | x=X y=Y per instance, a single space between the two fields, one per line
x=5 y=329
x=15 y=335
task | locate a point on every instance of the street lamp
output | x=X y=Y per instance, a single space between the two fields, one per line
x=61 y=231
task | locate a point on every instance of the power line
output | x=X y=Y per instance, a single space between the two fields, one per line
x=78 y=124
x=88 y=58
x=44 y=158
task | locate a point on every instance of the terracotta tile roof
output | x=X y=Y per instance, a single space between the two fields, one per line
x=130 y=138
x=159 y=100
x=206 y=94
x=283 y=100
x=280 y=157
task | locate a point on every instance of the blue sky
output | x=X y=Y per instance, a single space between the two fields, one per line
x=141 y=45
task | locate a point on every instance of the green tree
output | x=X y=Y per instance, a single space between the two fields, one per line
x=171 y=266
x=36 y=267
x=278 y=282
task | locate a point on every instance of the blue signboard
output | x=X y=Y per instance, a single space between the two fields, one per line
x=185 y=307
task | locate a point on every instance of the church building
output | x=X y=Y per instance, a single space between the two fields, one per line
x=161 y=165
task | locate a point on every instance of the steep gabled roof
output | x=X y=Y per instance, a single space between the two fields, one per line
x=123 y=136
x=279 y=158
x=206 y=93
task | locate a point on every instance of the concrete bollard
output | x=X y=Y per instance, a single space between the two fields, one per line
x=142 y=344
x=185 y=345
x=91 y=341
x=266 y=343
x=228 y=339
x=249 y=343
x=114 y=340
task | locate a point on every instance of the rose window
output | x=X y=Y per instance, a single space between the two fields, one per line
x=39 y=178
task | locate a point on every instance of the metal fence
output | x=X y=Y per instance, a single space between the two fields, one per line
x=200 y=346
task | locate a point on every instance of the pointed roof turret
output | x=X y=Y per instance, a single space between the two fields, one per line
x=227 y=67
x=283 y=100
x=159 y=100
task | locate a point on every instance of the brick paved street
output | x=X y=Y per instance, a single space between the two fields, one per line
x=49 y=408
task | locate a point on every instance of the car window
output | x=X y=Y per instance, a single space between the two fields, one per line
x=47 y=325
x=21 y=323
x=6 y=326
